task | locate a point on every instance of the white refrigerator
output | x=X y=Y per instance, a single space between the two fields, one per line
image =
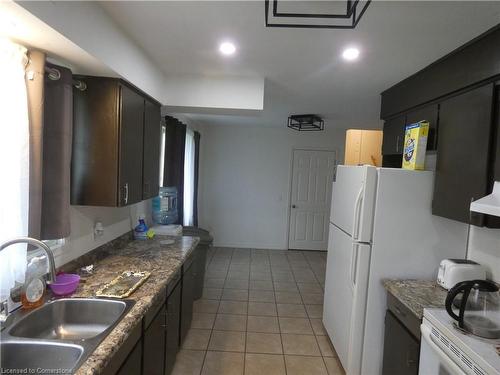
x=381 y=226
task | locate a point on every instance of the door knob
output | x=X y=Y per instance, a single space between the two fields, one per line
x=294 y=206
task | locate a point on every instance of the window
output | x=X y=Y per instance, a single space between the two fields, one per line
x=189 y=157
x=14 y=163
x=55 y=244
x=162 y=153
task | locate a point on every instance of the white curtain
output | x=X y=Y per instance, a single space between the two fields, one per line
x=189 y=178
x=162 y=154
x=14 y=162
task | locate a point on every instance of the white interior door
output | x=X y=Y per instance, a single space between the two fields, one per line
x=312 y=178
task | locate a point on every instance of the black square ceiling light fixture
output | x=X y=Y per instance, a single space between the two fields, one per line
x=306 y=122
x=322 y=14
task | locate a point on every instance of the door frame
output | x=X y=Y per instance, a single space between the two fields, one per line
x=290 y=183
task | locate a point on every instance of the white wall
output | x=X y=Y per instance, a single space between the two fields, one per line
x=228 y=93
x=484 y=248
x=116 y=221
x=245 y=181
x=244 y=188
x=87 y=25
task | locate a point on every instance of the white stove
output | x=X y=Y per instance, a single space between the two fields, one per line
x=446 y=349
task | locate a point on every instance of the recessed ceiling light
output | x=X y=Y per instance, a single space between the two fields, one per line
x=350 y=54
x=227 y=48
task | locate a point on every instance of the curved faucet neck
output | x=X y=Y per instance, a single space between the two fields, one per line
x=39 y=244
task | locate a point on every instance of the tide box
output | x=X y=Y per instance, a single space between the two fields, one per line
x=415 y=145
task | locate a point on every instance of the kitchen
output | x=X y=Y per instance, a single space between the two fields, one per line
x=222 y=203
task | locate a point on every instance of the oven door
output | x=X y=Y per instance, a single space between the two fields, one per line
x=433 y=360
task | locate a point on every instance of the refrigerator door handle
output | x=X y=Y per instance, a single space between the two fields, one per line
x=354 y=264
x=357 y=214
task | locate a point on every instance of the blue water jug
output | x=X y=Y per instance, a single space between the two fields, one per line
x=165 y=206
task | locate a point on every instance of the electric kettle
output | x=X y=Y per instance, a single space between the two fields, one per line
x=478 y=309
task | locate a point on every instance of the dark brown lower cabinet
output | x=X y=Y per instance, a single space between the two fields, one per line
x=401 y=348
x=200 y=261
x=173 y=322
x=154 y=344
x=187 y=298
x=132 y=365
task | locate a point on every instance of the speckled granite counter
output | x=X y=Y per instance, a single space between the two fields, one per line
x=416 y=294
x=160 y=259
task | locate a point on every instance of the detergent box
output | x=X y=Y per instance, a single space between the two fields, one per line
x=415 y=145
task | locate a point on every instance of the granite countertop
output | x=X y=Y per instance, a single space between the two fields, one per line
x=162 y=260
x=417 y=294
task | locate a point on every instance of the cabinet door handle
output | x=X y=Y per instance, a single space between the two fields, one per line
x=125 y=199
x=397 y=143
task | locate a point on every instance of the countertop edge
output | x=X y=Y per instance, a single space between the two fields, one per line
x=99 y=359
x=416 y=295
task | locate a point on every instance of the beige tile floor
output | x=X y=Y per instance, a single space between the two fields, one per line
x=260 y=314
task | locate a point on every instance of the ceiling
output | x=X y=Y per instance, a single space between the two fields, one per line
x=303 y=69
x=19 y=25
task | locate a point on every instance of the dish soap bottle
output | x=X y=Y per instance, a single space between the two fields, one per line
x=141 y=230
x=33 y=292
x=34 y=286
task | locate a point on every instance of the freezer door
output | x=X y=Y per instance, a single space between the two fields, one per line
x=353 y=201
x=345 y=297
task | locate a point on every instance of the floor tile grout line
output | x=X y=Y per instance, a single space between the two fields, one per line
x=212 y=329
x=310 y=323
x=249 y=279
x=279 y=322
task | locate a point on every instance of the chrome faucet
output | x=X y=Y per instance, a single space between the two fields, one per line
x=4 y=312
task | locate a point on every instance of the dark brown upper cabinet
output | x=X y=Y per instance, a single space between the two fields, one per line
x=474 y=62
x=393 y=140
x=429 y=113
x=131 y=131
x=114 y=138
x=151 y=162
x=463 y=157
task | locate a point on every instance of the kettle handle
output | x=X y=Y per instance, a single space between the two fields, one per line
x=465 y=287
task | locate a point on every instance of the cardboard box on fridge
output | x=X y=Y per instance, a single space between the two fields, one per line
x=415 y=145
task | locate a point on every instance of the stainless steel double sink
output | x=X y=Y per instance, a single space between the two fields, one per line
x=60 y=335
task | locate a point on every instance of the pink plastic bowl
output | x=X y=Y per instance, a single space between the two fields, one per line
x=66 y=283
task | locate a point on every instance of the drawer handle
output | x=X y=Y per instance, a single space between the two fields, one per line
x=398 y=310
x=411 y=362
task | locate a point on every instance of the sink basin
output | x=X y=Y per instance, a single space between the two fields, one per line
x=34 y=355
x=70 y=319
x=59 y=335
